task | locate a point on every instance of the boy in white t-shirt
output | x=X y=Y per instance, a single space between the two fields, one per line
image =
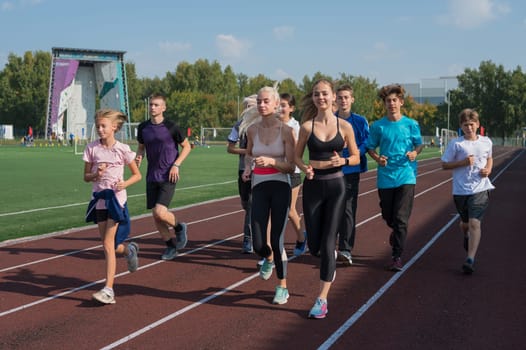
x=470 y=158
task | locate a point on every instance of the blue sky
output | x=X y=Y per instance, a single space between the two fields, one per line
x=401 y=41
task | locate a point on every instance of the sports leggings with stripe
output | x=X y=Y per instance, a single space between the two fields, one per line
x=323 y=207
x=271 y=199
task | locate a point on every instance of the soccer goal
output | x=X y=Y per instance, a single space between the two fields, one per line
x=213 y=136
x=446 y=136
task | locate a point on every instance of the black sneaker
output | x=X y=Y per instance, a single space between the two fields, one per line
x=467 y=267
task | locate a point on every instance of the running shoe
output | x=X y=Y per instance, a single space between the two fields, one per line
x=301 y=247
x=169 y=253
x=247 y=246
x=319 y=310
x=282 y=296
x=395 y=265
x=266 y=269
x=103 y=296
x=180 y=237
x=345 y=256
x=467 y=267
x=133 y=257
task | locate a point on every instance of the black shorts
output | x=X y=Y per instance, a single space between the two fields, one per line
x=159 y=193
x=472 y=206
x=101 y=214
x=295 y=180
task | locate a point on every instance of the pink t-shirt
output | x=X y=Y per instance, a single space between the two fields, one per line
x=114 y=159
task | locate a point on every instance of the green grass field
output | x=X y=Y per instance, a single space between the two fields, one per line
x=42 y=188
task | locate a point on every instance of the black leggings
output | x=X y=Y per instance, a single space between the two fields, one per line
x=271 y=199
x=323 y=207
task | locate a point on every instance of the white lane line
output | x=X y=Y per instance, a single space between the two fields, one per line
x=70 y=291
x=100 y=245
x=86 y=203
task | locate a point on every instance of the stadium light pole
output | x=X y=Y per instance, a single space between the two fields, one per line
x=448 y=97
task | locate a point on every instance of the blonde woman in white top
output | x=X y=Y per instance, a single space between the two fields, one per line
x=269 y=161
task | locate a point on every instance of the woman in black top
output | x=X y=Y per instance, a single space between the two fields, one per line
x=324 y=184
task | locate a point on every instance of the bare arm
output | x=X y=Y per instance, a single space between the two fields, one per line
x=232 y=149
x=134 y=178
x=140 y=154
x=300 y=149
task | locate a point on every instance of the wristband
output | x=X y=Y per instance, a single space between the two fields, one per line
x=176 y=165
x=346 y=161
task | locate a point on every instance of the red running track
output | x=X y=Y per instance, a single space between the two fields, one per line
x=210 y=296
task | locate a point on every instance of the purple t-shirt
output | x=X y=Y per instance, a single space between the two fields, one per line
x=161 y=149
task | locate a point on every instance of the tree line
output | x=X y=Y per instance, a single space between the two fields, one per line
x=204 y=94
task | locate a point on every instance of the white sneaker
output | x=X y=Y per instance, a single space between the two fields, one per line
x=104 y=297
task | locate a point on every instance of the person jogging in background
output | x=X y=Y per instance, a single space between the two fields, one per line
x=287 y=105
x=104 y=161
x=344 y=100
x=244 y=187
x=394 y=143
x=470 y=156
x=160 y=138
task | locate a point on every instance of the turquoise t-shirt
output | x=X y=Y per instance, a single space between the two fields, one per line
x=395 y=139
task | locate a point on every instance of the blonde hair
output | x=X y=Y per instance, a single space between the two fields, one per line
x=251 y=115
x=114 y=115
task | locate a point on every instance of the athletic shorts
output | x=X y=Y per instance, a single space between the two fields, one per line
x=103 y=215
x=295 y=180
x=472 y=206
x=159 y=193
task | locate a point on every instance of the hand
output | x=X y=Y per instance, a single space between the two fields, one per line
x=382 y=161
x=336 y=159
x=485 y=172
x=246 y=175
x=138 y=160
x=411 y=155
x=174 y=174
x=309 y=172
x=263 y=162
x=470 y=160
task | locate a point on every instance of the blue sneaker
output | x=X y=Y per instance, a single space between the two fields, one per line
x=282 y=296
x=247 y=246
x=266 y=269
x=467 y=267
x=133 y=258
x=319 y=310
x=169 y=253
x=180 y=237
x=301 y=247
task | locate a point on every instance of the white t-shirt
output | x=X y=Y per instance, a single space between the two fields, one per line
x=467 y=179
x=293 y=123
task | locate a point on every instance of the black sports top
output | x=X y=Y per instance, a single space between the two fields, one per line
x=324 y=150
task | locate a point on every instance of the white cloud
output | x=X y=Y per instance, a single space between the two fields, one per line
x=167 y=46
x=283 y=33
x=231 y=47
x=468 y=14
